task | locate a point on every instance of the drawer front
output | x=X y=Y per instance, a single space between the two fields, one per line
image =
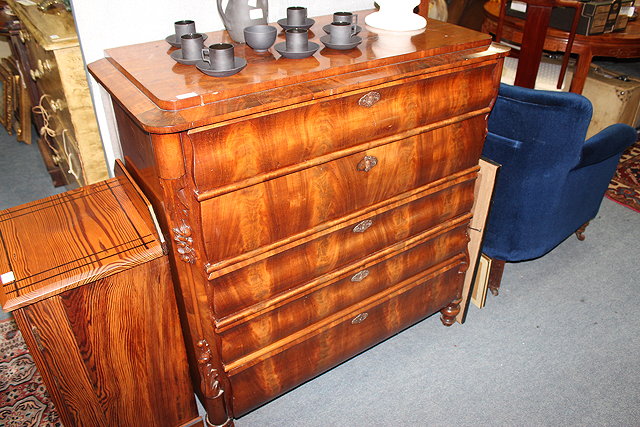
x=244 y=149
x=306 y=201
x=44 y=71
x=363 y=281
x=278 y=372
x=271 y=276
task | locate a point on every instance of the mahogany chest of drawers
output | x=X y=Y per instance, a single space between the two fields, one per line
x=315 y=206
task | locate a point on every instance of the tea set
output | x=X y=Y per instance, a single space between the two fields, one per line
x=218 y=59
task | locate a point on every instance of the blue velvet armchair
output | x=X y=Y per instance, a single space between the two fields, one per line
x=552 y=181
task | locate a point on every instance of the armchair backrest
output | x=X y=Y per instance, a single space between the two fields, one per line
x=547 y=129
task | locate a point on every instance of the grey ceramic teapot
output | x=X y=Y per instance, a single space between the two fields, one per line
x=243 y=13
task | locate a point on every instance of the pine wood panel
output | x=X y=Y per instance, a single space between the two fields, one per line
x=259 y=146
x=103 y=363
x=339 y=339
x=314 y=196
x=75 y=238
x=270 y=277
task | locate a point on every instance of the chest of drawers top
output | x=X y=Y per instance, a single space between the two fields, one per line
x=165 y=97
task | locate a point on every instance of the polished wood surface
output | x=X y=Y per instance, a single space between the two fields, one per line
x=75 y=238
x=402 y=222
x=314 y=206
x=85 y=275
x=268 y=70
x=625 y=44
x=113 y=351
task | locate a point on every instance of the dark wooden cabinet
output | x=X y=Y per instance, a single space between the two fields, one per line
x=315 y=206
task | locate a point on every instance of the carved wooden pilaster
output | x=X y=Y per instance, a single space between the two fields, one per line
x=184 y=243
x=188 y=258
x=208 y=374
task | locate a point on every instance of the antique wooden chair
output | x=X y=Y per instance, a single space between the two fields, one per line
x=552 y=181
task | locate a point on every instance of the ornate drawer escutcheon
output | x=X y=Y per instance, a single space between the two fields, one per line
x=360 y=276
x=360 y=318
x=369 y=99
x=367 y=163
x=362 y=226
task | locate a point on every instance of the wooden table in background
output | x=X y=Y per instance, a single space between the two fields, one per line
x=625 y=44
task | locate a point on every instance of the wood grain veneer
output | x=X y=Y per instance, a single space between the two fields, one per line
x=86 y=277
x=261 y=178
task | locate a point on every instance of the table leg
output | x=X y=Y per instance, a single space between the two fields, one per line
x=581 y=71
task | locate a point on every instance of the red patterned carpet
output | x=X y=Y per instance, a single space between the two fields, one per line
x=24 y=401
x=625 y=185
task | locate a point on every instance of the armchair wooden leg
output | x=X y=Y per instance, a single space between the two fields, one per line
x=495 y=275
x=580 y=231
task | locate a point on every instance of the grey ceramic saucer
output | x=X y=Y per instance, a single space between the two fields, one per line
x=355 y=41
x=327 y=29
x=281 y=48
x=176 y=55
x=307 y=24
x=239 y=64
x=172 y=40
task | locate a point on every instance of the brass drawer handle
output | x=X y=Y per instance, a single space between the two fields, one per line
x=24 y=36
x=367 y=163
x=369 y=99
x=58 y=105
x=360 y=276
x=359 y=318
x=362 y=226
x=35 y=74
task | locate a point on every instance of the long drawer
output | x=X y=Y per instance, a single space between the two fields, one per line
x=341 y=337
x=303 y=202
x=247 y=149
x=266 y=278
x=364 y=279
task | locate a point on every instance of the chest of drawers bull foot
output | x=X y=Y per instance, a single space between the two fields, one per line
x=315 y=206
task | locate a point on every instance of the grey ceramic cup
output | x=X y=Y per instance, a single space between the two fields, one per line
x=297 y=40
x=341 y=32
x=192 y=45
x=184 y=27
x=345 y=17
x=260 y=37
x=219 y=56
x=296 y=15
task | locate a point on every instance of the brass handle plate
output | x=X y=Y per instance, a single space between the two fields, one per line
x=367 y=163
x=369 y=99
x=362 y=226
x=360 y=318
x=360 y=276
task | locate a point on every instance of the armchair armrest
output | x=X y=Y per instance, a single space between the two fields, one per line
x=609 y=142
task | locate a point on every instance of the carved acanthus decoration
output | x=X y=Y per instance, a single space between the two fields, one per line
x=209 y=375
x=184 y=243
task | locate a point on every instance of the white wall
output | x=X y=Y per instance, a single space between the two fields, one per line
x=106 y=24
